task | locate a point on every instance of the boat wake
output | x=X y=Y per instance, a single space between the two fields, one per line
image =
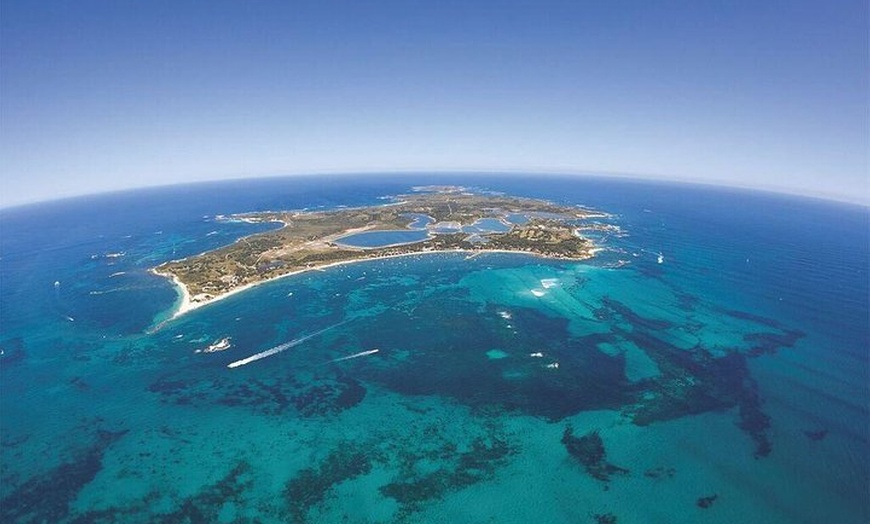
x=282 y=347
x=355 y=355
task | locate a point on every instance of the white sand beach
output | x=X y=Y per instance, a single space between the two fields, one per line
x=189 y=303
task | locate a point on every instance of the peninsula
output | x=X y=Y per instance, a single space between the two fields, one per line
x=432 y=219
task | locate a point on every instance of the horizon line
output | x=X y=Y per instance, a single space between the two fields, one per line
x=862 y=200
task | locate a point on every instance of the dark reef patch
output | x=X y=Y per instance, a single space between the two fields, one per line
x=637 y=321
x=752 y=317
x=460 y=470
x=320 y=397
x=329 y=397
x=79 y=384
x=706 y=502
x=205 y=506
x=46 y=497
x=816 y=435
x=752 y=419
x=7 y=441
x=660 y=472
x=311 y=485
x=770 y=343
x=604 y=518
x=451 y=361
x=686 y=301
x=589 y=451
x=694 y=382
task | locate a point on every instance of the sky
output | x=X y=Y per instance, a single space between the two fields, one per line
x=101 y=96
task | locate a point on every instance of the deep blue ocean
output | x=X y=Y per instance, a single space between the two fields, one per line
x=710 y=364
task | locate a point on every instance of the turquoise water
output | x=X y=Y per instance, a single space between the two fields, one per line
x=710 y=365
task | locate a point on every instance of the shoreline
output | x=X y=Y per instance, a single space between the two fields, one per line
x=187 y=304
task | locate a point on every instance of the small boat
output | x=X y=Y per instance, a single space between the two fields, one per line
x=219 y=345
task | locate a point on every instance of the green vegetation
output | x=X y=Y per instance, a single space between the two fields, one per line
x=309 y=239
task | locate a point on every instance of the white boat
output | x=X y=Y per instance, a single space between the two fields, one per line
x=220 y=345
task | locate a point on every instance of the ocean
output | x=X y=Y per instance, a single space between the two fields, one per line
x=710 y=364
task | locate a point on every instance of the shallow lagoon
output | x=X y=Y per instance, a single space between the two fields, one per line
x=374 y=239
x=487 y=225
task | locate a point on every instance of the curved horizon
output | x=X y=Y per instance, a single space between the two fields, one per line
x=861 y=199
x=104 y=98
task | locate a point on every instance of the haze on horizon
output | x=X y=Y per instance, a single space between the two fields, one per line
x=100 y=96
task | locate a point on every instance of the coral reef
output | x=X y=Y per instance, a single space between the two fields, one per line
x=311 y=485
x=47 y=497
x=324 y=396
x=329 y=398
x=660 y=472
x=816 y=435
x=637 y=321
x=694 y=382
x=587 y=378
x=589 y=451
x=706 y=502
x=459 y=471
x=770 y=343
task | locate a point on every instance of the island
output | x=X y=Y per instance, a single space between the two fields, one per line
x=431 y=219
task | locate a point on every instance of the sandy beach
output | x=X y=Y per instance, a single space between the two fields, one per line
x=188 y=303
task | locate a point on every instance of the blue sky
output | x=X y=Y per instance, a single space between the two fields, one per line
x=98 y=96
